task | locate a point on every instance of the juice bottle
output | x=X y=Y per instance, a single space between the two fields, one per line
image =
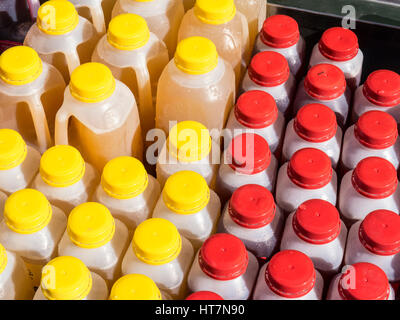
x=30 y=95
x=197 y=85
x=136 y=57
x=163 y=17
x=99 y=116
x=219 y=21
x=61 y=37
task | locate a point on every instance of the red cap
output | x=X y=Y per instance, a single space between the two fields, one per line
x=256 y=109
x=369 y=283
x=252 y=206
x=316 y=221
x=338 y=44
x=325 y=82
x=269 y=69
x=380 y=232
x=223 y=257
x=315 y=123
x=290 y=274
x=382 y=88
x=376 y=130
x=204 y=295
x=280 y=31
x=374 y=178
x=249 y=153
x=310 y=168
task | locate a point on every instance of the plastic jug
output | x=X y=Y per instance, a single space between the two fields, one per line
x=99 y=116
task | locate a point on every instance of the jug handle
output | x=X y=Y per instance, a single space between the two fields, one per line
x=245 y=39
x=40 y=123
x=73 y=60
x=145 y=97
x=61 y=127
x=98 y=19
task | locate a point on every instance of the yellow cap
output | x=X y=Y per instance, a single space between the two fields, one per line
x=196 y=55
x=27 y=211
x=186 y=192
x=57 y=17
x=12 y=149
x=20 y=65
x=156 y=241
x=66 y=278
x=92 y=82
x=128 y=32
x=61 y=166
x=215 y=11
x=135 y=287
x=189 y=141
x=124 y=177
x=90 y=225
x=3 y=258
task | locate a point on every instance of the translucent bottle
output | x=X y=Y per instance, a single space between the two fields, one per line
x=30 y=95
x=197 y=85
x=128 y=191
x=32 y=228
x=67 y=278
x=190 y=205
x=161 y=253
x=136 y=57
x=96 y=238
x=64 y=177
x=19 y=163
x=227 y=28
x=163 y=17
x=61 y=37
x=99 y=111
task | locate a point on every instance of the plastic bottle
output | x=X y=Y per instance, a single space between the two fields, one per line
x=190 y=205
x=224 y=266
x=252 y=216
x=197 y=85
x=136 y=57
x=30 y=95
x=67 y=278
x=98 y=111
x=374 y=134
x=163 y=17
x=204 y=295
x=308 y=175
x=128 y=191
x=161 y=253
x=325 y=84
x=32 y=228
x=289 y=275
x=269 y=71
x=61 y=37
x=64 y=177
x=280 y=33
x=18 y=162
x=370 y=186
x=314 y=126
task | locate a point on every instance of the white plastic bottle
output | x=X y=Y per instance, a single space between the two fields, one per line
x=96 y=11
x=190 y=205
x=316 y=230
x=224 y=266
x=96 y=238
x=252 y=216
x=161 y=253
x=256 y=112
x=372 y=185
x=280 y=33
x=339 y=46
x=308 y=175
x=67 y=278
x=269 y=71
x=289 y=275
x=376 y=239
x=128 y=191
x=64 y=177
x=325 y=84
x=18 y=162
x=374 y=134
